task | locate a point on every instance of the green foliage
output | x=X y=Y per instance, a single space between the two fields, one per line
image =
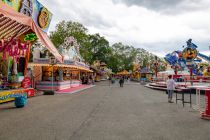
x=94 y=47
x=66 y=29
x=30 y=37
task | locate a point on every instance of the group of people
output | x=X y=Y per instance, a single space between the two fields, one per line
x=170 y=85
x=122 y=79
x=87 y=79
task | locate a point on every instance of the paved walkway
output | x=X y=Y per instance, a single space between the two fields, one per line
x=103 y=113
x=74 y=89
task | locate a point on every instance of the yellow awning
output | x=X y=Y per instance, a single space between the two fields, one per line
x=60 y=65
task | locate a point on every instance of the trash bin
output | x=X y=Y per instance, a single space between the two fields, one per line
x=20 y=101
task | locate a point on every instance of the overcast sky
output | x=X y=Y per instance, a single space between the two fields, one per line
x=159 y=26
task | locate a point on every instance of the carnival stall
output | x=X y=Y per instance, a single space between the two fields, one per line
x=21 y=23
x=123 y=73
x=146 y=75
x=105 y=72
x=58 y=76
x=97 y=73
x=136 y=74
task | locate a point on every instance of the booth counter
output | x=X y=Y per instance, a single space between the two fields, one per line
x=57 y=85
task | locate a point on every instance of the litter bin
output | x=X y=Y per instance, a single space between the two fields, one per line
x=20 y=101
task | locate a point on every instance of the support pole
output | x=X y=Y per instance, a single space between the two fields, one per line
x=27 y=58
x=52 y=79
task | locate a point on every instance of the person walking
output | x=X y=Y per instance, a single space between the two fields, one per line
x=121 y=81
x=170 y=88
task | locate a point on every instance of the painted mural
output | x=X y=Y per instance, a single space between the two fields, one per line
x=32 y=8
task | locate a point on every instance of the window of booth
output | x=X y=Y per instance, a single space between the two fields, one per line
x=11 y=72
x=47 y=73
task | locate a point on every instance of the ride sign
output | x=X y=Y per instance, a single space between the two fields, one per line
x=26 y=82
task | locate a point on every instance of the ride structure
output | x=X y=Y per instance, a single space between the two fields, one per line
x=188 y=59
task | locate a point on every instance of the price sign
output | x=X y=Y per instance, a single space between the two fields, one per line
x=26 y=82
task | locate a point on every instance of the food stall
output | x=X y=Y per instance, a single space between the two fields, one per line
x=124 y=73
x=146 y=75
x=135 y=76
x=20 y=26
x=59 y=76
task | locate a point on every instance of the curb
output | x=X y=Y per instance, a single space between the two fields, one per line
x=76 y=90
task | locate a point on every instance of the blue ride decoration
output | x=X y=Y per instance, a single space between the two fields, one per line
x=21 y=101
x=183 y=59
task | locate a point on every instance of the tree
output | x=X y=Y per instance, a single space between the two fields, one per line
x=66 y=29
x=94 y=47
x=122 y=57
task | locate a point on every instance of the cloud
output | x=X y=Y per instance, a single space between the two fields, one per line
x=151 y=4
x=158 y=26
x=167 y=6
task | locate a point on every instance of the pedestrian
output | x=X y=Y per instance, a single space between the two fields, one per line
x=170 y=88
x=113 y=80
x=121 y=81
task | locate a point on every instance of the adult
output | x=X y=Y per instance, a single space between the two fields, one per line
x=121 y=81
x=170 y=88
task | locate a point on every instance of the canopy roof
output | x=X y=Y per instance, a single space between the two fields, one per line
x=124 y=72
x=14 y=24
x=73 y=67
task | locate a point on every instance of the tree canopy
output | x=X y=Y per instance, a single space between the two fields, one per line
x=94 y=47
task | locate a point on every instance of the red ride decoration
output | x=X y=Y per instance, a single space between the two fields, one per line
x=206 y=113
x=14 y=48
x=26 y=82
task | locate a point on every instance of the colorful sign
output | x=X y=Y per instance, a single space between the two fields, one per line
x=189 y=54
x=26 y=82
x=32 y=8
x=6 y=96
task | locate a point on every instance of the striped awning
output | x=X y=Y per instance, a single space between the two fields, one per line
x=11 y=28
x=14 y=24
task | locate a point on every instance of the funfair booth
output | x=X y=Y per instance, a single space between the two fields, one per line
x=59 y=76
x=21 y=23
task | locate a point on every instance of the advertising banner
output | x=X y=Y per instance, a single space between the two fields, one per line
x=32 y=8
x=6 y=96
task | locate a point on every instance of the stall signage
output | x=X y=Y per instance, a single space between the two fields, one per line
x=26 y=82
x=82 y=64
x=41 y=60
x=69 y=62
x=34 y=9
x=10 y=95
x=30 y=93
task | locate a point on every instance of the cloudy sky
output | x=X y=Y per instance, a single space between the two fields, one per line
x=159 y=26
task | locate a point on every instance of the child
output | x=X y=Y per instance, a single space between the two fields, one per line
x=170 y=88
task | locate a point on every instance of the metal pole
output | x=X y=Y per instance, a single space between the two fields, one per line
x=191 y=76
x=52 y=79
x=70 y=75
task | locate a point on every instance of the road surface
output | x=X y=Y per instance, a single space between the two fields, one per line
x=103 y=113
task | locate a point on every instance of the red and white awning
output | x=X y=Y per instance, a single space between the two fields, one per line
x=14 y=24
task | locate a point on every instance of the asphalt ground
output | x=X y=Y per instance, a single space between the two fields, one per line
x=104 y=112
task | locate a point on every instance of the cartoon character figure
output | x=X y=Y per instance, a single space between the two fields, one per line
x=189 y=54
x=27 y=7
x=43 y=18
